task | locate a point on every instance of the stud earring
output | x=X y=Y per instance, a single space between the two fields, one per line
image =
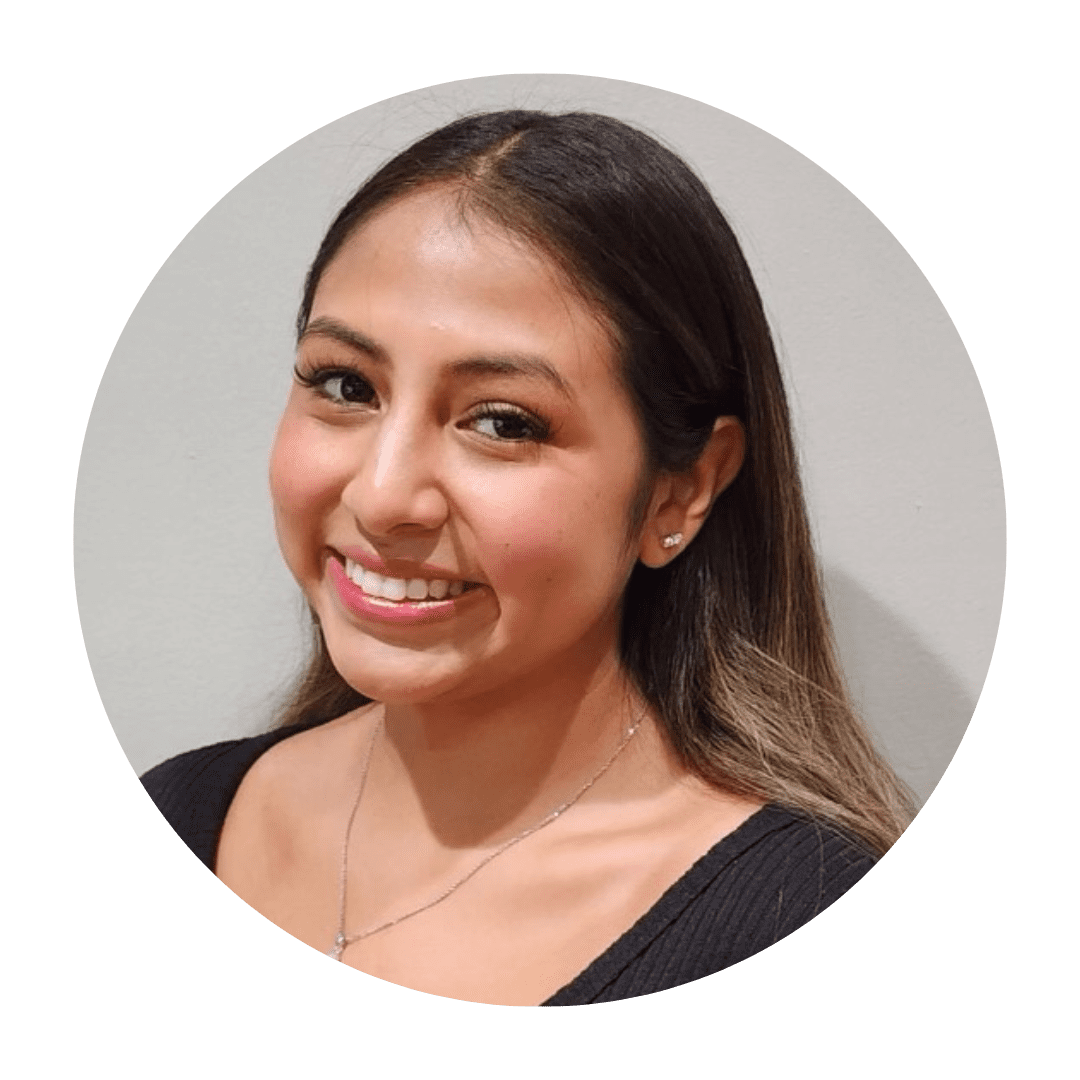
x=672 y=540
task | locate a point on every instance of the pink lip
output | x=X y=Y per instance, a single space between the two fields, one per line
x=394 y=611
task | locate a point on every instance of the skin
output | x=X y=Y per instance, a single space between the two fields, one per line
x=469 y=417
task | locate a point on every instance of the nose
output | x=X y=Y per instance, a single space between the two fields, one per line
x=395 y=488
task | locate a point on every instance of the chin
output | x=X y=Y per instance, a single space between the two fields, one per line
x=411 y=681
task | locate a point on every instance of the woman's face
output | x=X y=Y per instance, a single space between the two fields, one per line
x=453 y=475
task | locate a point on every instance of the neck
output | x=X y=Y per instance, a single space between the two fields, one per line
x=476 y=769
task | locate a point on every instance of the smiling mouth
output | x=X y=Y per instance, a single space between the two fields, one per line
x=398 y=590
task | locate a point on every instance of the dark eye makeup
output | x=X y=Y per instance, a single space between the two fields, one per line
x=498 y=421
x=343 y=386
x=508 y=423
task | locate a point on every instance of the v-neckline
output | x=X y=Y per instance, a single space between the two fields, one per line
x=632 y=942
x=676 y=898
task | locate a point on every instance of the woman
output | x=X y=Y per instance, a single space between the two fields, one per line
x=574 y=729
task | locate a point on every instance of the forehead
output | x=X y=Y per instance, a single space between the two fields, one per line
x=422 y=269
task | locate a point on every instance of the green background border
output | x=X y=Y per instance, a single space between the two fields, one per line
x=948 y=121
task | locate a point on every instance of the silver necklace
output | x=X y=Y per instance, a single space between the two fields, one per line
x=342 y=940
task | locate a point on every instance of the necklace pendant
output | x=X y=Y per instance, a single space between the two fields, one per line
x=342 y=940
x=335 y=950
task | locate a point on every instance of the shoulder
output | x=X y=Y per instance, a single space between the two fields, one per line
x=303 y=771
x=194 y=790
x=773 y=874
x=287 y=806
x=786 y=863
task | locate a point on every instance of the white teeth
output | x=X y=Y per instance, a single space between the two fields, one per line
x=393 y=588
x=397 y=589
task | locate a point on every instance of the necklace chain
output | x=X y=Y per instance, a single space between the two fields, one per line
x=342 y=940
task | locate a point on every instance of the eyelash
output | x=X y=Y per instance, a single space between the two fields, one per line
x=317 y=380
x=538 y=430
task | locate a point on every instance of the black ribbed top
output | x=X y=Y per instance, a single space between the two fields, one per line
x=771 y=875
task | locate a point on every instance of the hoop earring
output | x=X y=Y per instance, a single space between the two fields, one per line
x=671 y=540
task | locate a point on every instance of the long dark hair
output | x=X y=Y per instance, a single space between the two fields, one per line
x=730 y=643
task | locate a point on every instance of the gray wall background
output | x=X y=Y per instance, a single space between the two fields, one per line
x=191 y=621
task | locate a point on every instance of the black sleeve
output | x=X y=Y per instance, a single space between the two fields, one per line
x=792 y=878
x=768 y=878
x=194 y=790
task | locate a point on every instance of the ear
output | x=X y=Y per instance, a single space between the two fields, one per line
x=681 y=501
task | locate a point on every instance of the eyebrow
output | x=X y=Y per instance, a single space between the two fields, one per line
x=331 y=328
x=520 y=364
x=530 y=367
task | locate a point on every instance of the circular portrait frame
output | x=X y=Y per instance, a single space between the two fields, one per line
x=694 y=1001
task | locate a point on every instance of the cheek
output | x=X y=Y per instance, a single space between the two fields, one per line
x=304 y=482
x=558 y=547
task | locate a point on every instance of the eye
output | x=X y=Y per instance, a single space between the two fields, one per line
x=341 y=386
x=509 y=423
x=350 y=387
